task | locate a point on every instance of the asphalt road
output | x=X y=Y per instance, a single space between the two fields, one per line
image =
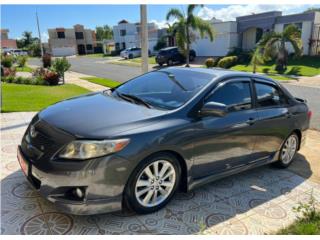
x=100 y=68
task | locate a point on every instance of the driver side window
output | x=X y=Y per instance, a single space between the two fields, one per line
x=235 y=95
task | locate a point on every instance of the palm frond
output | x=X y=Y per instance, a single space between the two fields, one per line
x=174 y=13
x=203 y=26
x=297 y=45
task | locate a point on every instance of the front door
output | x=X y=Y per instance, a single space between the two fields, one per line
x=225 y=143
x=81 y=49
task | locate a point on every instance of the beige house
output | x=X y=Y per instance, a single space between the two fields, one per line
x=71 y=41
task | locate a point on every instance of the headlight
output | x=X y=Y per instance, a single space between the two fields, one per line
x=84 y=149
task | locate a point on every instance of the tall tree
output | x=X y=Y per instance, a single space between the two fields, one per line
x=27 y=38
x=291 y=34
x=185 y=24
x=103 y=32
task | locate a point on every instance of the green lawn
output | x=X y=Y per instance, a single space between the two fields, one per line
x=102 y=81
x=24 y=69
x=304 y=66
x=279 y=77
x=96 y=55
x=151 y=60
x=20 y=98
x=303 y=227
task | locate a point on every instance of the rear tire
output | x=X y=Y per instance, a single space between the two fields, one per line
x=153 y=183
x=170 y=62
x=288 y=151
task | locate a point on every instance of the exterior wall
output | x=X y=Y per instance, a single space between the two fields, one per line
x=132 y=37
x=69 y=45
x=225 y=39
x=306 y=33
x=5 y=41
x=249 y=39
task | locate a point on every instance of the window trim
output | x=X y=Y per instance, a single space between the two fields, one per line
x=230 y=80
x=281 y=93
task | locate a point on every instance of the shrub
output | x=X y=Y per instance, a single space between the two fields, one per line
x=209 y=62
x=7 y=61
x=228 y=62
x=46 y=60
x=9 y=72
x=7 y=79
x=61 y=65
x=22 y=60
x=243 y=56
x=51 y=77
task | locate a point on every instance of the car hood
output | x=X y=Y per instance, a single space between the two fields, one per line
x=98 y=116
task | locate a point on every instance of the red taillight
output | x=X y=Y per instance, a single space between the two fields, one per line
x=309 y=114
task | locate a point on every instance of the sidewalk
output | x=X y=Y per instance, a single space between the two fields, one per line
x=74 y=78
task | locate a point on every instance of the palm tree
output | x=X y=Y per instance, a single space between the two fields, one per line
x=271 y=40
x=185 y=24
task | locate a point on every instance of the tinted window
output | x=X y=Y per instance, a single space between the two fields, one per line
x=166 y=89
x=60 y=34
x=79 y=35
x=235 y=95
x=268 y=95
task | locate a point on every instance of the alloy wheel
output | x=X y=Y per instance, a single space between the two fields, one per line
x=155 y=183
x=289 y=149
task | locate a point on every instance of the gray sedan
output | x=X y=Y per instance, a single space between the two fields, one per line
x=173 y=129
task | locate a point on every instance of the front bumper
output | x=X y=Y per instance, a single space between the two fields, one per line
x=103 y=189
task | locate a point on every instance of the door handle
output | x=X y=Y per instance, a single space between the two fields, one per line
x=250 y=121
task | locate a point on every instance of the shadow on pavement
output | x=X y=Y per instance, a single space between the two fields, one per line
x=247 y=203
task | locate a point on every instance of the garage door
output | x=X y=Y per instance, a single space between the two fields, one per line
x=64 y=51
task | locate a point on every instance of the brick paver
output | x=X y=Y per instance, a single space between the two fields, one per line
x=258 y=201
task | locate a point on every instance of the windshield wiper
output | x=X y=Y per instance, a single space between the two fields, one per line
x=173 y=78
x=134 y=98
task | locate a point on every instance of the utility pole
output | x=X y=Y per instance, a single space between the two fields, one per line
x=41 y=47
x=144 y=38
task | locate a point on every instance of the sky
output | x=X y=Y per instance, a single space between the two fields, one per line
x=20 y=18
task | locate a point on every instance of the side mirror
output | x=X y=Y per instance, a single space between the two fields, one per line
x=213 y=109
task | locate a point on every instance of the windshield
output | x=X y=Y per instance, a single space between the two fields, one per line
x=165 y=89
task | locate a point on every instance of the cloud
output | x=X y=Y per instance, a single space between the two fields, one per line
x=230 y=13
x=44 y=37
x=163 y=23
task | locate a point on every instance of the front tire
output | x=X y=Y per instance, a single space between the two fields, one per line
x=153 y=183
x=288 y=151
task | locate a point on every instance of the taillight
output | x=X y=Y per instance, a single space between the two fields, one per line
x=309 y=114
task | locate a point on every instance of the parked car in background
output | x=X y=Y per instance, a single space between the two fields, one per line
x=130 y=53
x=171 y=55
x=19 y=52
x=175 y=128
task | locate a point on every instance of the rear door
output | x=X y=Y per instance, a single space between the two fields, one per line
x=274 y=117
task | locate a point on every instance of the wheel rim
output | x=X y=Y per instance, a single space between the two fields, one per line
x=289 y=149
x=155 y=183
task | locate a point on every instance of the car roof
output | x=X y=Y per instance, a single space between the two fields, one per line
x=220 y=72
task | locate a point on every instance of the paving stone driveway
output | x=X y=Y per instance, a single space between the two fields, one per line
x=259 y=201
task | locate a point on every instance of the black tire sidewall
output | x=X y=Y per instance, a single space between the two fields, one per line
x=130 y=198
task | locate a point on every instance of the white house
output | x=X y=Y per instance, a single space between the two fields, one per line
x=225 y=39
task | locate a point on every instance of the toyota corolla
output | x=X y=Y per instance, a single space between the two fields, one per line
x=168 y=130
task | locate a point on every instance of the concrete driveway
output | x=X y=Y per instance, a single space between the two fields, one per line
x=259 y=201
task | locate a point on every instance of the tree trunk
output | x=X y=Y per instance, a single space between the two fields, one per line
x=281 y=58
x=188 y=47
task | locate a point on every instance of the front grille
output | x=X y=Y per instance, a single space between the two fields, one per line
x=45 y=143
